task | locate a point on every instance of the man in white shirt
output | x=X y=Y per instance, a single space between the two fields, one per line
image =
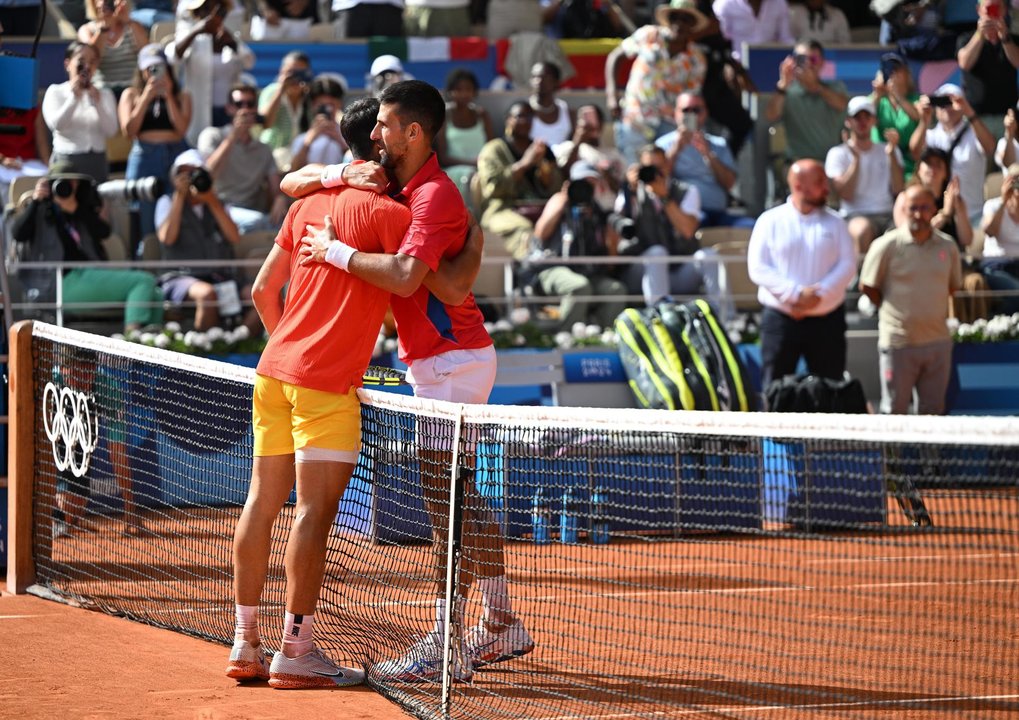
x=753 y=23
x=866 y=176
x=802 y=259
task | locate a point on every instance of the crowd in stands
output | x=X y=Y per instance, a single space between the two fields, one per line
x=638 y=175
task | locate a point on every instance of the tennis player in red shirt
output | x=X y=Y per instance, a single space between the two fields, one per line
x=306 y=415
x=451 y=357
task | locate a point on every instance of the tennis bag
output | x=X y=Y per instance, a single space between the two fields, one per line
x=663 y=371
x=815 y=394
x=700 y=330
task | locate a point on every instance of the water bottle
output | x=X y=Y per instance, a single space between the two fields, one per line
x=568 y=520
x=541 y=519
x=599 y=517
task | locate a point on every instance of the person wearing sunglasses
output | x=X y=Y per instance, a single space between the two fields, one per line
x=243 y=167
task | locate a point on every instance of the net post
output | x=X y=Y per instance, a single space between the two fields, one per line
x=453 y=551
x=21 y=459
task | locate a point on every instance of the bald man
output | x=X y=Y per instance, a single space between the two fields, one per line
x=802 y=259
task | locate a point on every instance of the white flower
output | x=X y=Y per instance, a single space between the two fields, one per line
x=172 y=327
x=133 y=334
x=178 y=336
x=518 y=316
x=592 y=331
x=609 y=337
x=519 y=340
x=503 y=325
x=241 y=332
x=489 y=327
x=189 y=338
x=390 y=345
x=579 y=330
x=564 y=340
x=215 y=333
x=953 y=324
x=118 y=336
x=147 y=338
x=162 y=341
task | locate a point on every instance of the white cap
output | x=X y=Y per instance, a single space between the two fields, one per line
x=859 y=104
x=949 y=89
x=386 y=63
x=190 y=157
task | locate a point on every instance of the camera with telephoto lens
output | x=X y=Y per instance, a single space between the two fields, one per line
x=141 y=189
x=200 y=180
x=62 y=188
x=580 y=193
x=648 y=174
x=625 y=227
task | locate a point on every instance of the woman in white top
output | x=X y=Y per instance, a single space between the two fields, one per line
x=1001 y=243
x=819 y=20
x=117 y=38
x=552 y=120
x=80 y=115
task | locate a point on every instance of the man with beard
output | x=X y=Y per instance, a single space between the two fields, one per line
x=802 y=258
x=451 y=358
x=909 y=274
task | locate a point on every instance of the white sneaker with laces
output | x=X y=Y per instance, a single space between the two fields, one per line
x=485 y=647
x=247 y=662
x=311 y=670
x=423 y=663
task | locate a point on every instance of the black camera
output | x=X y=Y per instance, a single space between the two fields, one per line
x=625 y=227
x=580 y=192
x=941 y=101
x=200 y=180
x=62 y=188
x=143 y=189
x=324 y=110
x=648 y=174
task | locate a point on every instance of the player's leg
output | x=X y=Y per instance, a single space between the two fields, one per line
x=327 y=438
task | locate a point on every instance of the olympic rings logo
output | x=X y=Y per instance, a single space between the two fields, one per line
x=70 y=421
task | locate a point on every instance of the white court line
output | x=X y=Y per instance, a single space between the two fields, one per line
x=20 y=617
x=785 y=708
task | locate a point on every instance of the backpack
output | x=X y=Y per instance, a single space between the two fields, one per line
x=815 y=394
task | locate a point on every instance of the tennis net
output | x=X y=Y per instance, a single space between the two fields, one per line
x=666 y=564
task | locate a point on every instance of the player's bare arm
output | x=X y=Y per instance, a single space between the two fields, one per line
x=312 y=177
x=267 y=290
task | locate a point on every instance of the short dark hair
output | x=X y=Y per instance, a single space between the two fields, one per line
x=518 y=104
x=76 y=46
x=416 y=101
x=552 y=68
x=325 y=86
x=241 y=87
x=460 y=75
x=298 y=55
x=358 y=121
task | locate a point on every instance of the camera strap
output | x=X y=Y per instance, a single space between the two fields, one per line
x=958 y=138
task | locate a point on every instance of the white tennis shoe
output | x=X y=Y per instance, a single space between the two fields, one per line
x=311 y=670
x=423 y=663
x=247 y=662
x=485 y=647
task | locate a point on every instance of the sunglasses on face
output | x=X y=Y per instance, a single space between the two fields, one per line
x=244 y=103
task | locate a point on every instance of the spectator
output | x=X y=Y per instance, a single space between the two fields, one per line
x=553 y=122
x=988 y=58
x=365 y=18
x=62 y=224
x=665 y=215
x=25 y=152
x=517 y=177
x=154 y=112
x=211 y=60
x=584 y=19
x=1006 y=152
x=243 y=168
x=666 y=63
x=284 y=105
x=586 y=145
x=802 y=259
x=509 y=17
x=437 y=18
x=866 y=175
x=702 y=160
x=961 y=133
x=284 y=20
x=195 y=225
x=572 y=225
x=385 y=71
x=813 y=110
x=820 y=21
x=895 y=101
x=468 y=127
x=753 y=22
x=322 y=143
x=909 y=274
x=117 y=39
x=915 y=26
x=1001 y=242
x=80 y=115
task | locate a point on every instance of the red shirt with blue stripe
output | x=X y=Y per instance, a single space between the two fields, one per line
x=438 y=229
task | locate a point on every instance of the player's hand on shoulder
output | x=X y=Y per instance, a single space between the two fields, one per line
x=366 y=176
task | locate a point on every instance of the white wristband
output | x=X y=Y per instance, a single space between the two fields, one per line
x=332 y=175
x=339 y=254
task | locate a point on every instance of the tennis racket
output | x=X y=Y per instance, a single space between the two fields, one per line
x=379 y=376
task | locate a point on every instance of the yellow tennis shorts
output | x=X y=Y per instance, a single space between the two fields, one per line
x=313 y=424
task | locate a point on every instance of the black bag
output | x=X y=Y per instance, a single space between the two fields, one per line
x=815 y=394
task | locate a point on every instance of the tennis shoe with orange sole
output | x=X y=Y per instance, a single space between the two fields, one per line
x=485 y=647
x=311 y=670
x=423 y=663
x=247 y=662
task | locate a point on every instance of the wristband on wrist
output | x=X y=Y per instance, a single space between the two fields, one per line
x=332 y=175
x=339 y=254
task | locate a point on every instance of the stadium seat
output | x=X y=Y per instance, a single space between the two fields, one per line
x=150 y=247
x=116 y=249
x=734 y=276
x=162 y=32
x=322 y=33
x=712 y=236
x=20 y=186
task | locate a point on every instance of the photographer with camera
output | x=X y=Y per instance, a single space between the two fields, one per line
x=80 y=115
x=62 y=224
x=243 y=168
x=195 y=225
x=961 y=133
x=284 y=104
x=658 y=217
x=322 y=143
x=573 y=225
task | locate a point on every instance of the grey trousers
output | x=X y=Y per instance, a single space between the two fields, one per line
x=925 y=368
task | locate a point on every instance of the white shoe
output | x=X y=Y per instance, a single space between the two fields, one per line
x=485 y=647
x=311 y=670
x=423 y=663
x=247 y=662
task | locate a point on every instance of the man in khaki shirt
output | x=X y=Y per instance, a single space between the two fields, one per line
x=910 y=273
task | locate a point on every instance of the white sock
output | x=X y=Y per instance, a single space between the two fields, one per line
x=494 y=596
x=246 y=623
x=440 y=615
x=298 y=635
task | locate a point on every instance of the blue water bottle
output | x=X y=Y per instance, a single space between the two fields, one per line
x=599 y=517
x=541 y=519
x=568 y=521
